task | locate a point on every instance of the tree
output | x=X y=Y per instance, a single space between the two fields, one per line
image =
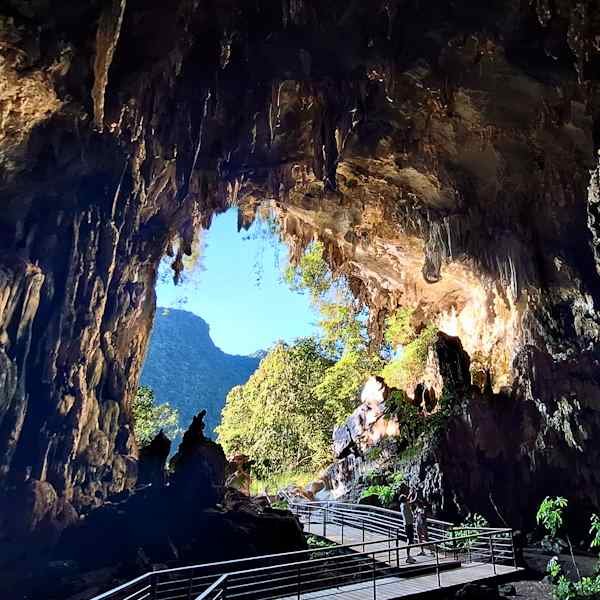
x=342 y=319
x=412 y=346
x=276 y=418
x=149 y=418
x=339 y=389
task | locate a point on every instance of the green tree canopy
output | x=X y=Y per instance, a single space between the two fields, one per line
x=276 y=418
x=339 y=389
x=412 y=347
x=342 y=319
x=149 y=418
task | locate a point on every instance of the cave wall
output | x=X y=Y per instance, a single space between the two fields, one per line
x=435 y=151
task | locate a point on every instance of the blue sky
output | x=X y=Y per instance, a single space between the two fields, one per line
x=239 y=292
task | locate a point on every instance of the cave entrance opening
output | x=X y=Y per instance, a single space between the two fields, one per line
x=229 y=306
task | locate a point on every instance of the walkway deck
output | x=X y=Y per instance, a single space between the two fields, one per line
x=390 y=588
x=451 y=573
x=352 y=535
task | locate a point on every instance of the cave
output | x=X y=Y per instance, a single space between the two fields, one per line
x=445 y=155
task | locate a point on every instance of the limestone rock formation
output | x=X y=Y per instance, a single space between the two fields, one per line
x=442 y=155
x=167 y=521
x=199 y=467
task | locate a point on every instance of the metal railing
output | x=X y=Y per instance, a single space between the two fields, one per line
x=367 y=564
x=369 y=570
x=366 y=518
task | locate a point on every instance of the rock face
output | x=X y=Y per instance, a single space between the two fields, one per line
x=443 y=161
x=171 y=520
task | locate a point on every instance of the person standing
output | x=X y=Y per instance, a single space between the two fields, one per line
x=422 y=527
x=406 y=503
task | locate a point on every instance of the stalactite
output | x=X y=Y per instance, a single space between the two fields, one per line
x=107 y=36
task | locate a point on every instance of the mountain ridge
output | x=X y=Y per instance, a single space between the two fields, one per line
x=185 y=368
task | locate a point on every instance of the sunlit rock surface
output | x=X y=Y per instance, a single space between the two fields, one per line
x=442 y=154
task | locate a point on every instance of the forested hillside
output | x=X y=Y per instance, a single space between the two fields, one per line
x=187 y=370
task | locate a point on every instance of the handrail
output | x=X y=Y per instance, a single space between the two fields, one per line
x=359 y=507
x=224 y=578
x=212 y=587
x=209 y=581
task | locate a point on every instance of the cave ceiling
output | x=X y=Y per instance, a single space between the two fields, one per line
x=441 y=151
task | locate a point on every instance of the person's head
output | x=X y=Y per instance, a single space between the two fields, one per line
x=403 y=498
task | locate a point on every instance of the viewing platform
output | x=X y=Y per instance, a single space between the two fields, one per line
x=366 y=560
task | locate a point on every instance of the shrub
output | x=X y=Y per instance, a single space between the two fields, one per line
x=384 y=493
x=149 y=418
x=550 y=516
x=407 y=370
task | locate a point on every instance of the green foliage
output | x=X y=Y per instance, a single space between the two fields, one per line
x=373 y=453
x=406 y=370
x=411 y=421
x=315 y=542
x=343 y=326
x=280 y=504
x=149 y=418
x=320 y=547
x=586 y=587
x=385 y=486
x=341 y=320
x=553 y=568
x=397 y=481
x=384 y=493
x=595 y=531
x=374 y=477
x=276 y=418
x=550 y=514
x=273 y=482
x=338 y=391
x=399 y=330
x=473 y=521
x=311 y=274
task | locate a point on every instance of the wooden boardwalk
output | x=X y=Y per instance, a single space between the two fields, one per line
x=452 y=574
x=389 y=588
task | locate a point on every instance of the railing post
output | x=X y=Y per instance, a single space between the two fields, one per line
x=152 y=586
x=492 y=551
x=299 y=583
x=362 y=527
x=309 y=513
x=342 y=515
x=397 y=548
x=437 y=564
x=374 y=578
x=325 y=521
x=454 y=548
x=189 y=595
x=512 y=541
x=224 y=595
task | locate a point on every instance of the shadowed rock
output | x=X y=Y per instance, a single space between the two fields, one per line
x=153 y=460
